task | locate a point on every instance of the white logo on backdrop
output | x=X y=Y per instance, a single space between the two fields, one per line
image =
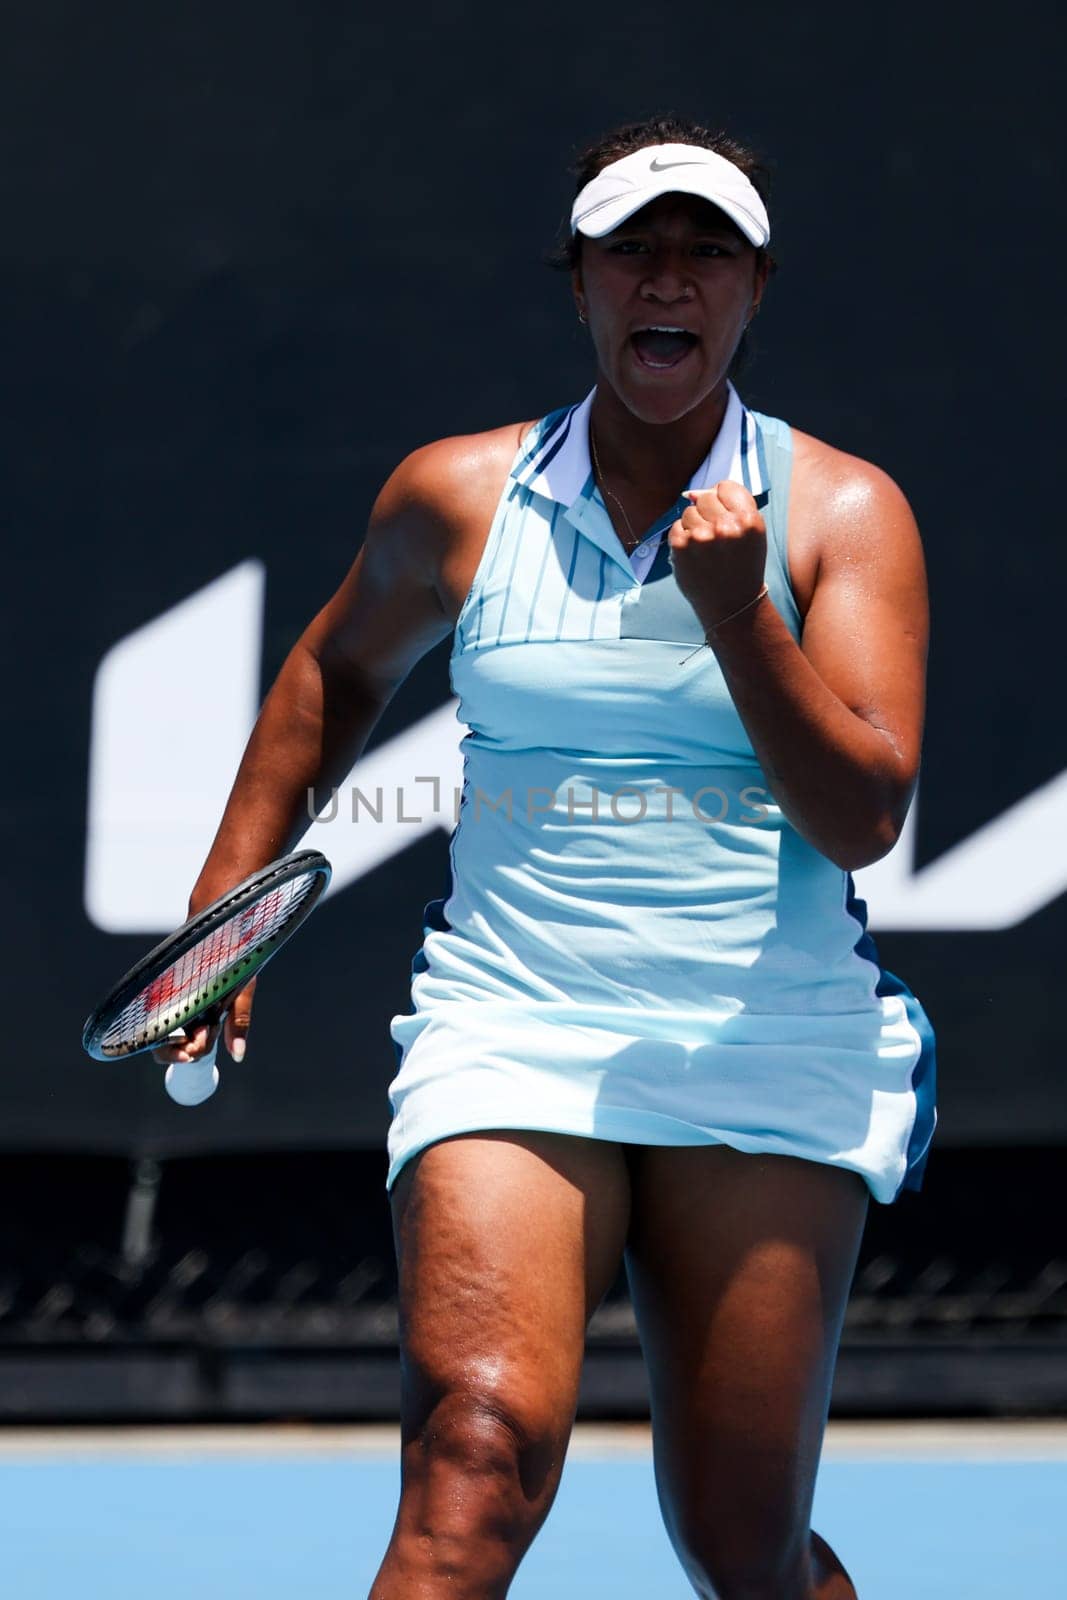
x=173 y=704
x=172 y=707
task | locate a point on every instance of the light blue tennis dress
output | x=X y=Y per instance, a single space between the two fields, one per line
x=635 y=944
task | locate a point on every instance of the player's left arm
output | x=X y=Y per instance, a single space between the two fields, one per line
x=837 y=725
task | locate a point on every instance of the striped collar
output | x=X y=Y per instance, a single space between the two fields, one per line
x=557 y=463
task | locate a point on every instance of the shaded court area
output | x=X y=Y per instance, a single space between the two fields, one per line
x=914 y=1510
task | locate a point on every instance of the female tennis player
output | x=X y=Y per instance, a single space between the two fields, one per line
x=648 y=1023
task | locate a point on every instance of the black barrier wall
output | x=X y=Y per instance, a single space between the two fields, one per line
x=252 y=256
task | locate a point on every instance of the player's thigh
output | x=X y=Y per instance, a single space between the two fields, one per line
x=506 y=1242
x=740 y=1267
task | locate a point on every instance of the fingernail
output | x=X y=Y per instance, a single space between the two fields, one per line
x=237 y=1050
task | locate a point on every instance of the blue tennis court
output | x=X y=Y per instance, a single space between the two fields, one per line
x=938 y=1513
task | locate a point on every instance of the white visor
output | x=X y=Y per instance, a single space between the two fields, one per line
x=625 y=186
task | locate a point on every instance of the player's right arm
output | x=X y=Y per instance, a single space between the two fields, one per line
x=334 y=685
x=338 y=678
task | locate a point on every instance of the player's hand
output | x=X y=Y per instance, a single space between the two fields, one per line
x=199 y=1037
x=201 y=1033
x=718 y=549
x=238 y=1020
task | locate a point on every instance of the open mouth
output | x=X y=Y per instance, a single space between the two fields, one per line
x=662 y=346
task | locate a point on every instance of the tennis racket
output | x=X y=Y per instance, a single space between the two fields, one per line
x=196 y=969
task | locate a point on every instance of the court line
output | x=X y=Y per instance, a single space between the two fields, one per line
x=1018 y=1440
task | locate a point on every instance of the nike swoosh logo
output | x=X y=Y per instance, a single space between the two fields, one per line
x=661 y=166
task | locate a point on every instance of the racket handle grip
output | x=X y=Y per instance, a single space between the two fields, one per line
x=192 y=1082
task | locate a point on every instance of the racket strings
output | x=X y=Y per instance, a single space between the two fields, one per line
x=194 y=979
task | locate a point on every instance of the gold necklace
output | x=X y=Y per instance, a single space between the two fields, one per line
x=600 y=476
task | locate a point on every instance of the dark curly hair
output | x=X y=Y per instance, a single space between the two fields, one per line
x=664 y=129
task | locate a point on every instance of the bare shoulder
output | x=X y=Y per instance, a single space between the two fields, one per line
x=843 y=483
x=443 y=485
x=845 y=511
x=398 y=599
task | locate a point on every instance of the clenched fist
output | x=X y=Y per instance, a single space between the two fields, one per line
x=718 y=550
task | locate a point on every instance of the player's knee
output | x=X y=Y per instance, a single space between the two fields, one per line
x=757 y=1579
x=726 y=1563
x=500 y=1449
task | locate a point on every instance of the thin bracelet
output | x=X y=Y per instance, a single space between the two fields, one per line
x=717 y=625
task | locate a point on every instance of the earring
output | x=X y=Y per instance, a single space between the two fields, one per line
x=581 y=316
